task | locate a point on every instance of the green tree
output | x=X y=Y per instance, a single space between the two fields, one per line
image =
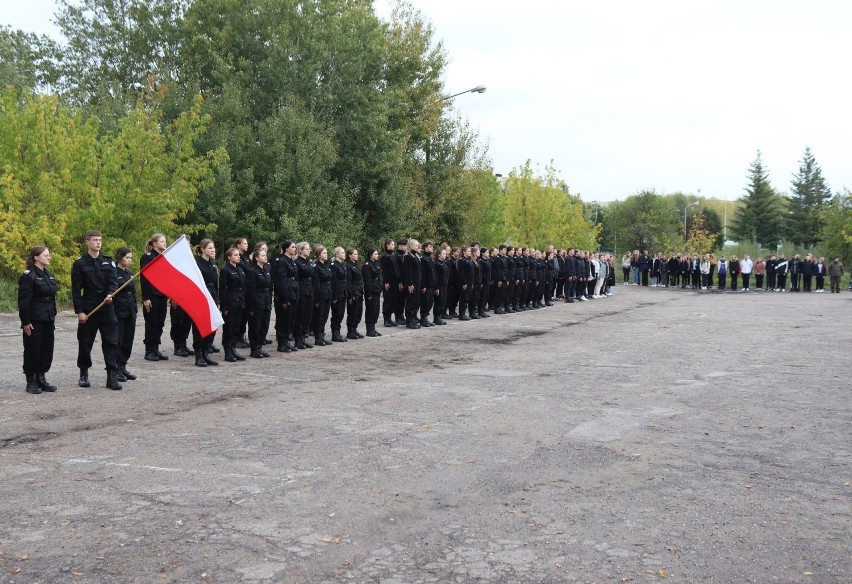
x=810 y=194
x=759 y=218
x=836 y=233
x=699 y=240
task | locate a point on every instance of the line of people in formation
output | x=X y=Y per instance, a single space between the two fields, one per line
x=409 y=284
x=709 y=273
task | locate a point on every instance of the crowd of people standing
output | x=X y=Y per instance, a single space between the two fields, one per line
x=405 y=284
x=709 y=273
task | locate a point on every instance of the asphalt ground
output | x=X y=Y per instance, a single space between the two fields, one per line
x=657 y=435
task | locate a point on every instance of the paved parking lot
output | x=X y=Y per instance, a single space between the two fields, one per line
x=658 y=434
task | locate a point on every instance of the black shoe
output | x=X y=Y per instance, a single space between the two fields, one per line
x=120 y=377
x=112 y=380
x=267 y=341
x=373 y=333
x=256 y=354
x=127 y=374
x=283 y=348
x=151 y=356
x=474 y=316
x=352 y=335
x=464 y=317
x=389 y=323
x=213 y=349
x=229 y=356
x=242 y=344
x=210 y=361
x=32 y=384
x=484 y=315
x=200 y=362
x=307 y=344
x=337 y=337
x=237 y=356
x=161 y=356
x=264 y=353
x=181 y=352
x=439 y=322
x=43 y=384
x=84 y=378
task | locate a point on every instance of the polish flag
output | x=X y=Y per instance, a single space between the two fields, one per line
x=175 y=274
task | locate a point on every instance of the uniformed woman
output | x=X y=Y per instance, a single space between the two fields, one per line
x=125 y=311
x=205 y=259
x=37 y=309
x=305 y=275
x=372 y=291
x=232 y=296
x=339 y=287
x=354 y=295
x=411 y=275
x=286 y=295
x=322 y=295
x=154 y=303
x=258 y=301
x=442 y=276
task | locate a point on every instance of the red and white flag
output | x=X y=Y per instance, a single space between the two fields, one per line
x=175 y=274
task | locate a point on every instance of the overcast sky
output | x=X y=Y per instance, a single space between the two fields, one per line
x=625 y=95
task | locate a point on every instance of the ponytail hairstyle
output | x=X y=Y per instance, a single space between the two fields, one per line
x=121 y=252
x=388 y=241
x=36 y=250
x=349 y=253
x=318 y=249
x=337 y=250
x=238 y=241
x=257 y=247
x=369 y=254
x=150 y=245
x=230 y=252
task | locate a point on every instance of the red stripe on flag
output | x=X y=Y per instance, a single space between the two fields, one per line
x=182 y=290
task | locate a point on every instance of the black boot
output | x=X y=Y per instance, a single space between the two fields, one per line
x=120 y=376
x=207 y=359
x=357 y=334
x=32 y=384
x=236 y=355
x=411 y=323
x=372 y=332
x=213 y=349
x=127 y=374
x=255 y=353
x=242 y=343
x=112 y=380
x=389 y=322
x=229 y=354
x=181 y=351
x=160 y=356
x=283 y=347
x=151 y=355
x=84 y=378
x=199 y=361
x=351 y=334
x=43 y=384
x=336 y=336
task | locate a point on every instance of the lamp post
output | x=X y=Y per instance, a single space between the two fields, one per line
x=477 y=89
x=684 y=216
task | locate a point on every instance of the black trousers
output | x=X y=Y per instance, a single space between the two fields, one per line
x=722 y=278
x=806 y=283
x=231 y=331
x=412 y=303
x=782 y=281
x=746 y=279
x=202 y=344
x=770 y=280
x=644 y=277
x=820 y=282
x=484 y=294
x=427 y=299
x=440 y=307
x=319 y=318
x=758 y=281
x=181 y=325
x=38 y=347
x=285 y=320
x=354 y=312
x=389 y=295
x=258 y=326
x=304 y=311
x=126 y=333
x=371 y=310
x=508 y=293
x=155 y=320
x=734 y=279
x=401 y=300
x=794 y=282
x=338 y=310
x=105 y=323
x=464 y=299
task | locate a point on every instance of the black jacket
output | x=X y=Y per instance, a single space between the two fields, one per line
x=91 y=280
x=355 y=284
x=210 y=274
x=372 y=279
x=322 y=281
x=232 y=287
x=466 y=272
x=36 y=296
x=148 y=289
x=284 y=280
x=411 y=270
x=339 y=281
x=305 y=275
x=390 y=268
x=427 y=271
x=259 y=287
x=125 y=301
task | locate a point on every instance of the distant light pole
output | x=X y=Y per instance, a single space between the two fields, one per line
x=477 y=89
x=684 y=216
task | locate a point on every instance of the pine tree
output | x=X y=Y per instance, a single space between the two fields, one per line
x=760 y=216
x=809 y=197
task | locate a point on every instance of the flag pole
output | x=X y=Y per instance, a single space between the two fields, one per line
x=133 y=277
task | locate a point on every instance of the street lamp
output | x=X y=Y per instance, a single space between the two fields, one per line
x=477 y=89
x=684 y=216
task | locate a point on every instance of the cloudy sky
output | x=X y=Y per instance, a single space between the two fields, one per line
x=625 y=95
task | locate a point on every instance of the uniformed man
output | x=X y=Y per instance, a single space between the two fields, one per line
x=94 y=280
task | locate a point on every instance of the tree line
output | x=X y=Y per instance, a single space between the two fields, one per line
x=269 y=119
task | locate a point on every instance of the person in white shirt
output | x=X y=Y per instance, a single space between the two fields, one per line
x=746 y=267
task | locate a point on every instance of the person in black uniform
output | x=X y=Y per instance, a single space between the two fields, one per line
x=125 y=312
x=442 y=277
x=242 y=244
x=205 y=259
x=232 y=296
x=427 y=283
x=401 y=290
x=93 y=280
x=305 y=308
x=154 y=302
x=465 y=281
x=473 y=297
x=322 y=295
x=390 y=282
x=37 y=311
x=372 y=291
x=452 y=299
x=485 y=291
x=354 y=295
x=411 y=279
x=284 y=274
x=339 y=291
x=258 y=302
